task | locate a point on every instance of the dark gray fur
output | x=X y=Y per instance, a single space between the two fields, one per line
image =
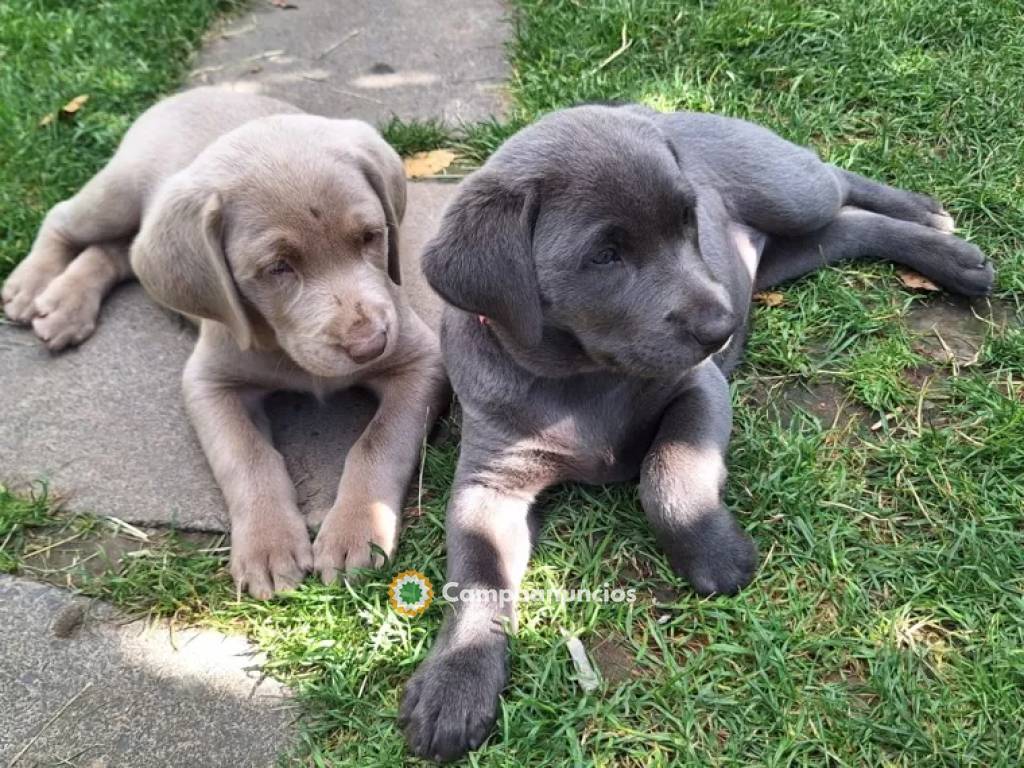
x=602 y=373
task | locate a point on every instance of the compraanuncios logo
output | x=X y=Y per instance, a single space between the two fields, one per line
x=410 y=593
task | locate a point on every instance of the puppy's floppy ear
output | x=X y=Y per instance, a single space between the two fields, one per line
x=481 y=259
x=179 y=257
x=717 y=246
x=383 y=170
x=389 y=185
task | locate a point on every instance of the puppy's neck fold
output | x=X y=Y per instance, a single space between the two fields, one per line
x=559 y=354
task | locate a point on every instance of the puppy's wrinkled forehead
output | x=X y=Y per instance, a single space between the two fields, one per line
x=600 y=161
x=317 y=204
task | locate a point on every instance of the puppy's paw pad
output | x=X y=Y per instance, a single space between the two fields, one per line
x=65 y=314
x=980 y=282
x=975 y=276
x=270 y=558
x=720 y=560
x=451 y=703
x=63 y=327
x=969 y=256
x=333 y=560
x=21 y=290
x=350 y=542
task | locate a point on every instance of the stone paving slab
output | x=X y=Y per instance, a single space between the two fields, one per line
x=80 y=686
x=369 y=59
x=105 y=426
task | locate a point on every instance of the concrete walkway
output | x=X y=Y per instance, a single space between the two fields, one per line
x=369 y=59
x=81 y=686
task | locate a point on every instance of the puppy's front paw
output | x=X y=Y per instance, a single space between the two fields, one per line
x=26 y=283
x=347 y=538
x=65 y=314
x=717 y=557
x=450 y=704
x=270 y=553
x=974 y=275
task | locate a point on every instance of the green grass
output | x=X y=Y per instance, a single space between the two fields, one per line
x=886 y=624
x=19 y=514
x=122 y=54
x=409 y=136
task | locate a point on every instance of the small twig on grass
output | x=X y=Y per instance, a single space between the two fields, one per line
x=47 y=548
x=170 y=635
x=65 y=570
x=423 y=462
x=922 y=392
x=626 y=43
x=131 y=530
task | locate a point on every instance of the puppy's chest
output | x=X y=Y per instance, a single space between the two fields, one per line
x=599 y=437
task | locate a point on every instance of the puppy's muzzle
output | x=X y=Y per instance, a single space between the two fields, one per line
x=710 y=332
x=365 y=348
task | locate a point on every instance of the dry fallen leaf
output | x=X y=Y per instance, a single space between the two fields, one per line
x=769 y=299
x=427 y=163
x=283 y=4
x=74 y=105
x=916 y=282
x=68 y=110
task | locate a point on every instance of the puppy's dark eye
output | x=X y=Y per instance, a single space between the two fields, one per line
x=606 y=255
x=280 y=267
x=370 y=236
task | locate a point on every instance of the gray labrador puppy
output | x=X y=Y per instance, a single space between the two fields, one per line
x=277 y=232
x=599 y=270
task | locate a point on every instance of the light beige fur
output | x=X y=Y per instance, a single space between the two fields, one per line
x=277 y=232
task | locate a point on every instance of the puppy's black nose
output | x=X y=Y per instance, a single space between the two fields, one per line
x=710 y=332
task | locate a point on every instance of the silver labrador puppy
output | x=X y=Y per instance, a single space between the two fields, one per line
x=599 y=269
x=277 y=231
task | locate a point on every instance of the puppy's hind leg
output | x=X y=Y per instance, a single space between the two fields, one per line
x=107 y=209
x=862 y=192
x=857 y=234
x=66 y=312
